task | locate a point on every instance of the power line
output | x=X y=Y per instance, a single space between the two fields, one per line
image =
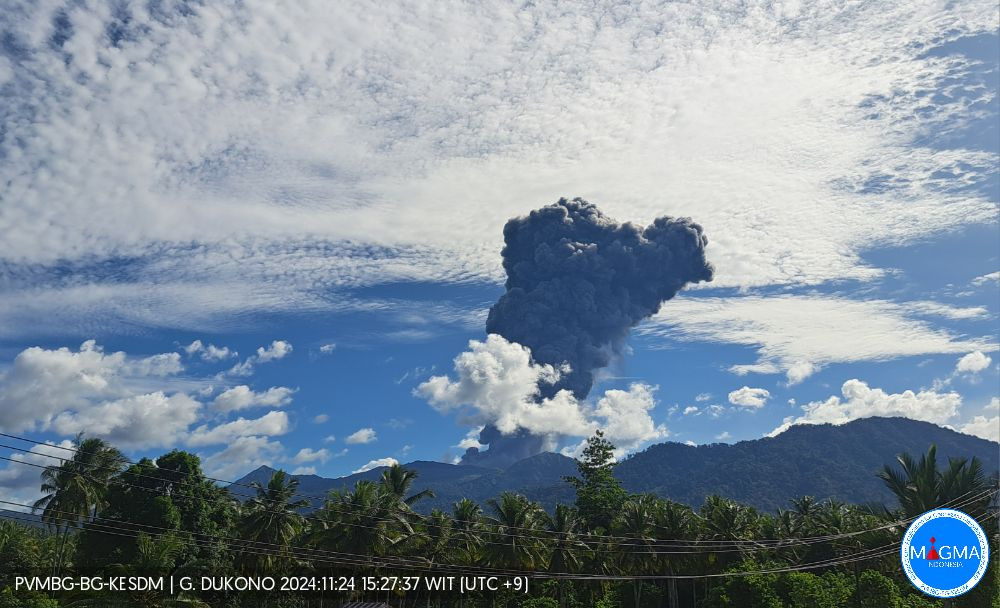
x=649 y=545
x=745 y=545
x=536 y=531
x=355 y=559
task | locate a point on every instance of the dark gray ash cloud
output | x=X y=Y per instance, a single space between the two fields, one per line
x=577 y=282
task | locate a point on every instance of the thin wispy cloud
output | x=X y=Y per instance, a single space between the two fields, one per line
x=797 y=335
x=254 y=147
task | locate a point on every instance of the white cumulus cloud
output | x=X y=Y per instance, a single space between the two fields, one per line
x=987 y=427
x=20 y=482
x=278 y=349
x=972 y=363
x=209 y=352
x=270 y=424
x=139 y=421
x=242 y=397
x=306 y=455
x=374 y=464
x=625 y=416
x=858 y=400
x=498 y=383
x=749 y=397
x=360 y=436
x=241 y=456
x=134 y=401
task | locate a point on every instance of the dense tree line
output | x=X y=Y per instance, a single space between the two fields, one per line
x=609 y=549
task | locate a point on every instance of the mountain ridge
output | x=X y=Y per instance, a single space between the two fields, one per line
x=825 y=461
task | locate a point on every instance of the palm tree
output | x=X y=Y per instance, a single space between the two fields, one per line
x=272 y=518
x=921 y=487
x=75 y=489
x=725 y=519
x=397 y=480
x=637 y=522
x=153 y=554
x=804 y=511
x=567 y=548
x=467 y=525
x=514 y=519
x=364 y=521
x=673 y=521
x=437 y=538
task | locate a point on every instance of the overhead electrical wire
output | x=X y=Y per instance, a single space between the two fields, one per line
x=756 y=544
x=260 y=548
x=650 y=546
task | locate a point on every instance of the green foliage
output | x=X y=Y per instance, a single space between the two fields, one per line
x=807 y=590
x=540 y=602
x=599 y=494
x=915 y=600
x=367 y=520
x=178 y=522
x=272 y=519
x=26 y=600
x=20 y=550
x=757 y=590
x=819 y=460
x=877 y=591
x=168 y=495
x=921 y=486
x=76 y=488
x=516 y=546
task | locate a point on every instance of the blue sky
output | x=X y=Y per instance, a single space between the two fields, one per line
x=329 y=185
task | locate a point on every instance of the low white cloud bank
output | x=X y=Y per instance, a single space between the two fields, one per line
x=987 y=427
x=124 y=399
x=858 y=400
x=139 y=402
x=498 y=383
x=374 y=464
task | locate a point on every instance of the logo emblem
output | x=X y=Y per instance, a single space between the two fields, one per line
x=945 y=553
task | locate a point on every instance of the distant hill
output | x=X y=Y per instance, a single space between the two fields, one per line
x=28 y=519
x=824 y=461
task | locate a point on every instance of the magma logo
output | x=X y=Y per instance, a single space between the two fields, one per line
x=945 y=553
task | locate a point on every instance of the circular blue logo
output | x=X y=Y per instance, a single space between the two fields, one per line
x=945 y=553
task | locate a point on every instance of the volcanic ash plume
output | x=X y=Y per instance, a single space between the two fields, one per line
x=577 y=282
